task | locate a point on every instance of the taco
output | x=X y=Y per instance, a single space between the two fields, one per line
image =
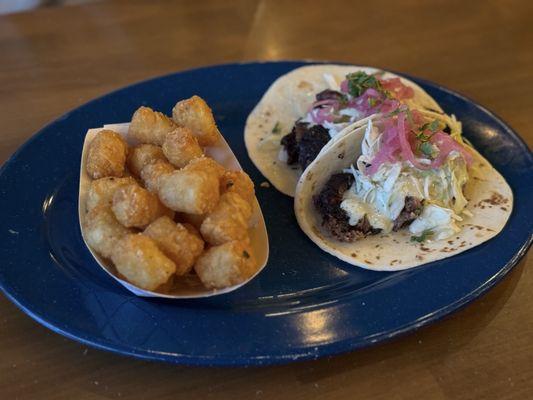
x=304 y=109
x=400 y=192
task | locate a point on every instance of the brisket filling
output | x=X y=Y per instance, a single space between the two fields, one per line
x=336 y=221
x=304 y=143
x=411 y=210
x=334 y=218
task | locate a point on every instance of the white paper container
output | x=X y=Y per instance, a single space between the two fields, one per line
x=188 y=287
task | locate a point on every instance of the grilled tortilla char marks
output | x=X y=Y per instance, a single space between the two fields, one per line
x=411 y=210
x=334 y=218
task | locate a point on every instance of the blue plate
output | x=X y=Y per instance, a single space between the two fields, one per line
x=305 y=303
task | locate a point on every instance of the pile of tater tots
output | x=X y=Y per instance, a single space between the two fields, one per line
x=162 y=209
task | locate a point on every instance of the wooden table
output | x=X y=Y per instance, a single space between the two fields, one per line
x=52 y=60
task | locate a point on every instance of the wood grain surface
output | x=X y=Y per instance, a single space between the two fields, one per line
x=54 y=59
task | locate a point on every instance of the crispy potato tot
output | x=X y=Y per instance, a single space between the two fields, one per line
x=191 y=219
x=151 y=174
x=106 y=155
x=238 y=182
x=193 y=230
x=176 y=242
x=149 y=126
x=102 y=231
x=180 y=147
x=136 y=207
x=142 y=155
x=206 y=164
x=191 y=190
x=226 y=265
x=228 y=221
x=195 y=114
x=103 y=189
x=140 y=261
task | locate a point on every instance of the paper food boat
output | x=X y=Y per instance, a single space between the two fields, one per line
x=189 y=286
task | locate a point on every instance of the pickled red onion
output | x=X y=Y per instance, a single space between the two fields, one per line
x=396 y=86
x=405 y=146
x=395 y=143
x=446 y=145
x=328 y=102
x=320 y=115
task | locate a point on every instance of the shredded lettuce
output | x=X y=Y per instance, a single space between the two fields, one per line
x=439 y=220
x=385 y=191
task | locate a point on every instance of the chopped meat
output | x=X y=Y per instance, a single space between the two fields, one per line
x=290 y=145
x=311 y=143
x=329 y=199
x=304 y=143
x=329 y=94
x=345 y=232
x=334 y=218
x=411 y=210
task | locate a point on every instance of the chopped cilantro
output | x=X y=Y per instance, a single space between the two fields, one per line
x=427 y=234
x=428 y=149
x=276 y=129
x=433 y=126
x=359 y=82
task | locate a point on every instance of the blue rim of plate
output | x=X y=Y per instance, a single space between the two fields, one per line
x=19 y=291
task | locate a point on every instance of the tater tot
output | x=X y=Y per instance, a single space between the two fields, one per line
x=181 y=146
x=135 y=206
x=151 y=174
x=142 y=155
x=238 y=182
x=191 y=219
x=226 y=265
x=106 y=155
x=102 y=190
x=149 y=126
x=140 y=261
x=190 y=190
x=206 y=163
x=228 y=221
x=195 y=114
x=102 y=230
x=176 y=242
x=193 y=230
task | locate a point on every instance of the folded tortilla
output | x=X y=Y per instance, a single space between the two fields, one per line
x=490 y=201
x=287 y=100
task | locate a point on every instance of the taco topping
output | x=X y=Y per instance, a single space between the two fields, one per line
x=410 y=174
x=358 y=96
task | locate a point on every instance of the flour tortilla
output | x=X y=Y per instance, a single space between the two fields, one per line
x=287 y=100
x=490 y=202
